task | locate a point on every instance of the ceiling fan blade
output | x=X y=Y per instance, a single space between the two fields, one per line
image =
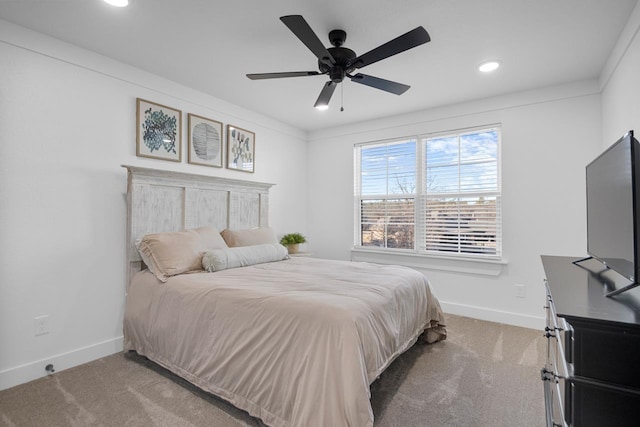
x=409 y=40
x=325 y=95
x=261 y=76
x=382 y=84
x=303 y=31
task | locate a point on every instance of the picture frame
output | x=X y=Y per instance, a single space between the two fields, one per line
x=205 y=141
x=240 y=149
x=159 y=131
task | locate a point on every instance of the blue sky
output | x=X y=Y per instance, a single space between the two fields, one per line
x=454 y=164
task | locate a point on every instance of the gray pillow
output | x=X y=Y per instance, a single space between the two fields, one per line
x=222 y=259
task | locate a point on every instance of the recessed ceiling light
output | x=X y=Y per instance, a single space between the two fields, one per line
x=118 y=3
x=489 y=66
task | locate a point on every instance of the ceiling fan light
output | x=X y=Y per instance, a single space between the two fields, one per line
x=322 y=107
x=118 y=3
x=489 y=66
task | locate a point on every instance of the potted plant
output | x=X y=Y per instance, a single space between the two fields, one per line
x=292 y=242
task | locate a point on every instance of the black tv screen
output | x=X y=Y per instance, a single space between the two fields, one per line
x=612 y=207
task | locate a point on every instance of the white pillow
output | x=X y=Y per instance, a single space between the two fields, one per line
x=221 y=259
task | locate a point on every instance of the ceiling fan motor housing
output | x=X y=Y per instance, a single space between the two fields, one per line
x=343 y=57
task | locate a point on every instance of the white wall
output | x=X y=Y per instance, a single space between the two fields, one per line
x=621 y=85
x=67 y=123
x=548 y=136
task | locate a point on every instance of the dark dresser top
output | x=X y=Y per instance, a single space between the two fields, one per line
x=579 y=293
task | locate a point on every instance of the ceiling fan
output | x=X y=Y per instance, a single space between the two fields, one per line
x=339 y=62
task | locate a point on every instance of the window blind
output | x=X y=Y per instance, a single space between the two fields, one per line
x=385 y=189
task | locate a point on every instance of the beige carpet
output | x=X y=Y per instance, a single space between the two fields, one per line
x=484 y=374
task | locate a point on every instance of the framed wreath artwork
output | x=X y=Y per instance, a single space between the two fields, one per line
x=205 y=141
x=159 y=131
x=240 y=149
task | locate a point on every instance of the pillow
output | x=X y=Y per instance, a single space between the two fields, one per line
x=211 y=238
x=249 y=237
x=221 y=259
x=168 y=254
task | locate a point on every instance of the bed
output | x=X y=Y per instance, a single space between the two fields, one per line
x=293 y=341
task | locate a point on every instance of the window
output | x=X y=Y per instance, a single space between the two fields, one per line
x=430 y=194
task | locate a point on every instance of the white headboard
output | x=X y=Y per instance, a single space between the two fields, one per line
x=159 y=201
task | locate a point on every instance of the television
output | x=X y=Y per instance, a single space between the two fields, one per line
x=613 y=209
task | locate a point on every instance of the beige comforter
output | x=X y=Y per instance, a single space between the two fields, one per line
x=296 y=343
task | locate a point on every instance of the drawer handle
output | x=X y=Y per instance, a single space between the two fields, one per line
x=563 y=360
x=562 y=369
x=547 y=332
x=548 y=378
x=561 y=406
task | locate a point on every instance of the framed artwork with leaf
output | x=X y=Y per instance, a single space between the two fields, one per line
x=159 y=131
x=205 y=141
x=240 y=149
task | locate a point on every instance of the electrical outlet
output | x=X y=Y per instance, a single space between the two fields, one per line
x=520 y=291
x=41 y=325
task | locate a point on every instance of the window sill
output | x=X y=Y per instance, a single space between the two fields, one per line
x=470 y=265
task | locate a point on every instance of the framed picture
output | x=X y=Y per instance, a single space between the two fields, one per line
x=159 y=131
x=205 y=141
x=240 y=149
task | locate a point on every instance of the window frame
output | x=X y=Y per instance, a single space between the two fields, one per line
x=420 y=197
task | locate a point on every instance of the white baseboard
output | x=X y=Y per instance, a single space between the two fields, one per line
x=515 y=319
x=34 y=370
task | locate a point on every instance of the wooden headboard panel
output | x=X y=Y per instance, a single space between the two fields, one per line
x=159 y=201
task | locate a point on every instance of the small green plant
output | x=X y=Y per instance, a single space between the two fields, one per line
x=292 y=239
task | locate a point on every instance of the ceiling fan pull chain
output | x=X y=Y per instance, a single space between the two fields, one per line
x=341 y=97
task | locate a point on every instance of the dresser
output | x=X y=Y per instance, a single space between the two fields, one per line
x=592 y=373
